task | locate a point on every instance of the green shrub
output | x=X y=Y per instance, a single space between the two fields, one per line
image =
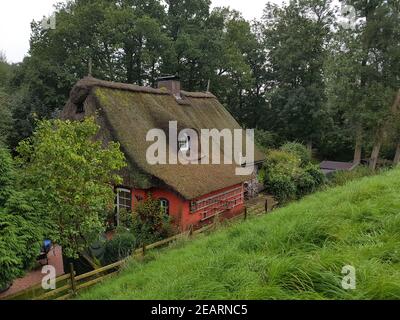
x=150 y=224
x=119 y=247
x=287 y=176
x=308 y=180
x=279 y=169
x=126 y=219
x=298 y=150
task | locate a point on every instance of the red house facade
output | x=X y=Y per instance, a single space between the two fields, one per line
x=191 y=194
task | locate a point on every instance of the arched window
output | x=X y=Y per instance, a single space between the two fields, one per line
x=164 y=203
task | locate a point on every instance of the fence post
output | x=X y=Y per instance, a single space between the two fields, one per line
x=245 y=213
x=191 y=230
x=72 y=278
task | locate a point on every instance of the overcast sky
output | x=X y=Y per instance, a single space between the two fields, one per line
x=16 y=16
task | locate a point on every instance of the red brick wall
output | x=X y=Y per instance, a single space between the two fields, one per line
x=179 y=208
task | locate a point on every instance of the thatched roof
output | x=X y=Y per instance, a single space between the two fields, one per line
x=127 y=112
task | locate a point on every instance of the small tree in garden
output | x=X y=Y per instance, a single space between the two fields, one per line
x=73 y=176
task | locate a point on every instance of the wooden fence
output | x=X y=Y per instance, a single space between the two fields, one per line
x=69 y=284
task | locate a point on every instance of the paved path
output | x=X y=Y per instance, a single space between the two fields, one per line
x=35 y=276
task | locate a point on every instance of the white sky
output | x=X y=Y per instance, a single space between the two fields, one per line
x=16 y=16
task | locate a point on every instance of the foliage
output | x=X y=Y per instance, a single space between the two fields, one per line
x=72 y=176
x=295 y=37
x=298 y=150
x=22 y=228
x=10 y=247
x=308 y=180
x=266 y=139
x=288 y=175
x=22 y=231
x=278 y=172
x=297 y=253
x=125 y=218
x=150 y=224
x=119 y=247
x=6 y=121
x=7 y=175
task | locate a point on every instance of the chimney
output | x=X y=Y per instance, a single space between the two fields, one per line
x=172 y=84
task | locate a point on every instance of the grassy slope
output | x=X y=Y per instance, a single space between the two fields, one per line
x=295 y=253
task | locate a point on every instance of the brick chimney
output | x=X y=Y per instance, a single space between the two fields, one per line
x=172 y=84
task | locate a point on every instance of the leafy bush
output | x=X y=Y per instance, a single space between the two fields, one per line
x=308 y=180
x=150 y=224
x=279 y=169
x=288 y=175
x=298 y=150
x=119 y=247
x=126 y=219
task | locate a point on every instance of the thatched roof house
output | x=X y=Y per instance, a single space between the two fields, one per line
x=127 y=112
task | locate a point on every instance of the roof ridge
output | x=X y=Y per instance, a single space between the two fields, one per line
x=90 y=82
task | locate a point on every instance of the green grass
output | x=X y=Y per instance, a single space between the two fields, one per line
x=297 y=252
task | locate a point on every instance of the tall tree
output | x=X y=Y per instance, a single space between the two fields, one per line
x=296 y=37
x=365 y=77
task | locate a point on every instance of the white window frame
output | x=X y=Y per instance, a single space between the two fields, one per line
x=119 y=205
x=164 y=203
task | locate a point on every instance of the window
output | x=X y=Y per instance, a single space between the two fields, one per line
x=164 y=206
x=184 y=143
x=124 y=199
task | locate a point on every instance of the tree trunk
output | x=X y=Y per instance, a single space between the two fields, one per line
x=358 y=148
x=396 y=160
x=376 y=150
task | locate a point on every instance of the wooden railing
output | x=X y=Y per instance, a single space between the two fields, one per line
x=69 y=284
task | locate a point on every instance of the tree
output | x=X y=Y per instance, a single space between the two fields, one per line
x=72 y=177
x=6 y=120
x=295 y=38
x=365 y=79
x=7 y=176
